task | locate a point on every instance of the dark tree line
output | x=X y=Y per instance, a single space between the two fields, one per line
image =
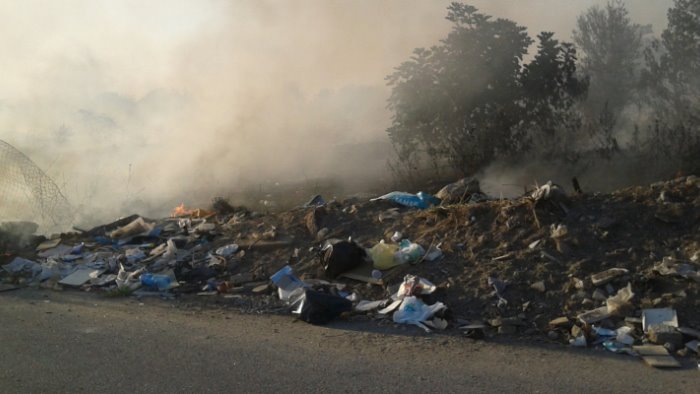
x=474 y=99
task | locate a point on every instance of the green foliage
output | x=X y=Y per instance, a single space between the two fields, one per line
x=672 y=77
x=612 y=54
x=471 y=99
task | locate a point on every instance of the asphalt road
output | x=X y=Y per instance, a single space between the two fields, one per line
x=75 y=342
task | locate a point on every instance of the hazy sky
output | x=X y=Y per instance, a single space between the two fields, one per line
x=123 y=99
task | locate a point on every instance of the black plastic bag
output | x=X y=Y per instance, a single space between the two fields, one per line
x=341 y=257
x=321 y=308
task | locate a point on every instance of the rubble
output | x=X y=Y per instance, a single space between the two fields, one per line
x=546 y=263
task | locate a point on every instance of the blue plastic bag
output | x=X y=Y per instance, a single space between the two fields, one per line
x=419 y=200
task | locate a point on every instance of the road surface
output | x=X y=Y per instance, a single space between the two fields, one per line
x=77 y=342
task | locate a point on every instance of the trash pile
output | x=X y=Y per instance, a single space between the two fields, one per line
x=620 y=271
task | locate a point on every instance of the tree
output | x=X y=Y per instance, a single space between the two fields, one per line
x=611 y=55
x=551 y=91
x=471 y=100
x=673 y=79
x=681 y=43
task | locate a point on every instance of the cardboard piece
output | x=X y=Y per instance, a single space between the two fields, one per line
x=659 y=316
x=48 y=244
x=656 y=356
x=80 y=277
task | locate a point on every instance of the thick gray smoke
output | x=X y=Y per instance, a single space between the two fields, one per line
x=151 y=103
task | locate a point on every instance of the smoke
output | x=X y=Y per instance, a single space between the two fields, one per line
x=135 y=105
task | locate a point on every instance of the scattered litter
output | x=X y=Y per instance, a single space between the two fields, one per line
x=382 y=254
x=391 y=307
x=620 y=303
x=434 y=253
x=618 y=347
x=579 y=341
x=659 y=316
x=20 y=264
x=341 y=257
x=315 y=201
x=459 y=191
x=409 y=252
x=128 y=280
x=365 y=306
x=419 y=200
x=413 y=285
x=656 y=356
x=134 y=255
x=161 y=282
x=548 y=191
x=604 y=277
x=594 y=316
x=509 y=241
x=389 y=214
x=499 y=287
x=289 y=287
x=48 y=244
x=693 y=346
x=227 y=250
x=80 y=277
x=138 y=226
x=414 y=311
x=320 y=308
x=668 y=266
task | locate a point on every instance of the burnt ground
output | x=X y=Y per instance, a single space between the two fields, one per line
x=510 y=240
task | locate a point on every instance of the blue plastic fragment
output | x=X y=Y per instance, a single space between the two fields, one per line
x=419 y=200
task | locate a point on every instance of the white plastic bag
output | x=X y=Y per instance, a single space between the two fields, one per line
x=414 y=311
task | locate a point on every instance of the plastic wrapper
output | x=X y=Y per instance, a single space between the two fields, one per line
x=414 y=311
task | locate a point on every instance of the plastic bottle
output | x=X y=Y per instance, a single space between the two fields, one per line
x=162 y=282
x=289 y=287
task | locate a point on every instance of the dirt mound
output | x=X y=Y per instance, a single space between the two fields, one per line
x=541 y=250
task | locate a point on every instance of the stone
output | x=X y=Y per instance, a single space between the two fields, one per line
x=539 y=286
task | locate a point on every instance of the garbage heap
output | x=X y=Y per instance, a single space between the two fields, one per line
x=618 y=270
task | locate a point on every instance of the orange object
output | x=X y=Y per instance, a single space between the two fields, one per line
x=197 y=213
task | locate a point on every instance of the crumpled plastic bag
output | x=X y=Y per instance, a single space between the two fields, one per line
x=20 y=264
x=414 y=311
x=321 y=308
x=667 y=266
x=419 y=200
x=414 y=285
x=620 y=302
x=138 y=226
x=128 y=280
